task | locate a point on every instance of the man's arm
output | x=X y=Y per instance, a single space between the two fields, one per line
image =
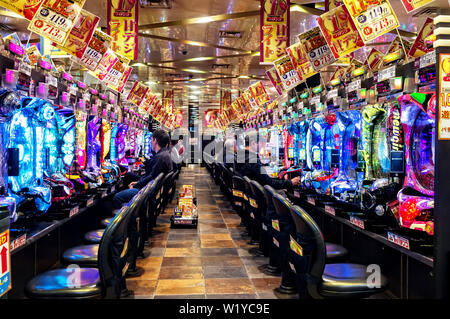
x=264 y=179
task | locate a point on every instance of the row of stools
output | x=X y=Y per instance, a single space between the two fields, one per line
x=99 y=269
x=294 y=244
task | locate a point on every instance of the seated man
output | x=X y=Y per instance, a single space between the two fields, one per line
x=252 y=167
x=160 y=163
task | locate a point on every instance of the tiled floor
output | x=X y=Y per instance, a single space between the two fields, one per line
x=212 y=261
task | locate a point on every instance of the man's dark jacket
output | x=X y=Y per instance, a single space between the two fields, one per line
x=160 y=163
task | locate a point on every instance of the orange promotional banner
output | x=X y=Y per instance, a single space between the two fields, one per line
x=123 y=27
x=25 y=8
x=274 y=29
x=106 y=63
x=396 y=45
x=225 y=100
x=248 y=97
x=373 y=18
x=123 y=80
x=300 y=61
x=147 y=103
x=97 y=48
x=287 y=73
x=115 y=74
x=420 y=46
x=259 y=93
x=276 y=80
x=137 y=93
x=374 y=59
x=243 y=104
x=168 y=100
x=411 y=5
x=316 y=48
x=55 y=19
x=340 y=32
x=331 y=4
x=156 y=107
x=80 y=35
x=211 y=117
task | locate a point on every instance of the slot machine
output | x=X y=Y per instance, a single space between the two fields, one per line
x=59 y=145
x=346 y=184
x=93 y=170
x=416 y=198
x=27 y=134
x=9 y=104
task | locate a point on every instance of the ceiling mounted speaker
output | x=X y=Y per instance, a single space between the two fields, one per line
x=156 y=4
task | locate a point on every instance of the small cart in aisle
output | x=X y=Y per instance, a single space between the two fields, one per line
x=186 y=213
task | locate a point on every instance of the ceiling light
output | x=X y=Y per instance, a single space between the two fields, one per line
x=138 y=64
x=197 y=92
x=197 y=80
x=244 y=77
x=205 y=58
x=194 y=71
x=204 y=20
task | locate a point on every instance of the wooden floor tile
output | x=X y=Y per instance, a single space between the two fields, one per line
x=182 y=252
x=180 y=287
x=141 y=287
x=195 y=272
x=149 y=262
x=183 y=244
x=181 y=261
x=217 y=244
x=229 y=286
x=224 y=261
x=266 y=284
x=215 y=237
x=224 y=272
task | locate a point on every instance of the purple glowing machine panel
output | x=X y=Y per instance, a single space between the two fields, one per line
x=417 y=196
x=94 y=145
x=9 y=103
x=120 y=144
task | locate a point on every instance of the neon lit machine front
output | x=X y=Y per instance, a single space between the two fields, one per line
x=120 y=146
x=416 y=198
x=76 y=174
x=9 y=104
x=110 y=171
x=27 y=133
x=346 y=185
x=93 y=170
x=59 y=145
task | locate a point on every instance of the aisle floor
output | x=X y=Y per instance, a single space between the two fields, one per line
x=212 y=261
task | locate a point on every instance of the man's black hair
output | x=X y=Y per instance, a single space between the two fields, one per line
x=161 y=137
x=251 y=136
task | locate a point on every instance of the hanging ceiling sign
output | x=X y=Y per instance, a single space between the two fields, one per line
x=137 y=93
x=331 y=4
x=123 y=80
x=396 y=46
x=80 y=35
x=373 y=18
x=374 y=60
x=148 y=102
x=274 y=29
x=300 y=61
x=123 y=27
x=116 y=73
x=259 y=93
x=225 y=100
x=340 y=32
x=33 y=55
x=420 y=46
x=444 y=96
x=275 y=80
x=168 y=100
x=287 y=73
x=411 y=5
x=55 y=19
x=97 y=48
x=250 y=100
x=211 y=117
x=106 y=63
x=25 y=8
x=316 y=48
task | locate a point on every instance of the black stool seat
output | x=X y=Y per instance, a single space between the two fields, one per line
x=94 y=236
x=335 y=251
x=86 y=255
x=65 y=283
x=348 y=280
x=107 y=221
